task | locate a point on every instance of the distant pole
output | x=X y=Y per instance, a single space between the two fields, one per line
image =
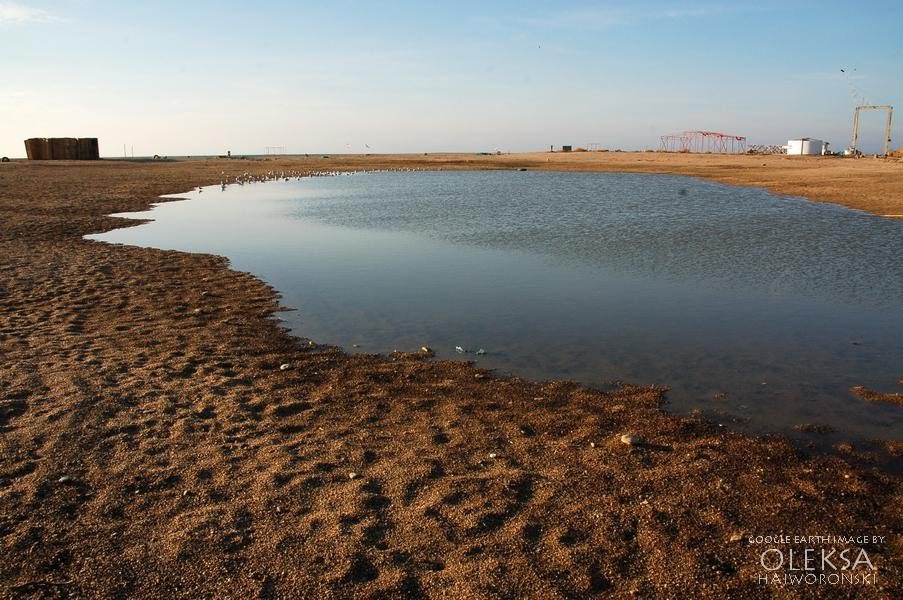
x=124 y=155
x=854 y=139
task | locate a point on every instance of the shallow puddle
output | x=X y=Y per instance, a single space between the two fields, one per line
x=759 y=310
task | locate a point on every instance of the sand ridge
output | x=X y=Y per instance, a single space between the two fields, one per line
x=151 y=445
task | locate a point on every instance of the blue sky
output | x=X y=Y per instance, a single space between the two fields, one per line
x=199 y=77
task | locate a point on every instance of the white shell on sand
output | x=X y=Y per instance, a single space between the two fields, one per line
x=630 y=440
x=285 y=367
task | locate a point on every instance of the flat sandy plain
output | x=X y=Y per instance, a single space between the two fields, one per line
x=150 y=445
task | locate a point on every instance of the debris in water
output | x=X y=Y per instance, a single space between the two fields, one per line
x=460 y=350
x=481 y=351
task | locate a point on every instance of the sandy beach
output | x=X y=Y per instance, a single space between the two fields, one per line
x=152 y=445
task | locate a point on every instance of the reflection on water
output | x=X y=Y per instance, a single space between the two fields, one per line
x=760 y=310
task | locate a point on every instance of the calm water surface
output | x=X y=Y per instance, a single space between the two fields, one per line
x=759 y=310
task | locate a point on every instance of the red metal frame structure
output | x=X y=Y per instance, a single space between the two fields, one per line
x=703 y=141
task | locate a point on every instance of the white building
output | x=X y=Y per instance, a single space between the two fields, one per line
x=806 y=146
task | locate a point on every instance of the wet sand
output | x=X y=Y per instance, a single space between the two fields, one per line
x=151 y=445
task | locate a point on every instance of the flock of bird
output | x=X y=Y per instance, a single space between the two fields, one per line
x=248 y=177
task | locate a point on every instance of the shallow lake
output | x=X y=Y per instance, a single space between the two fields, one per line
x=761 y=311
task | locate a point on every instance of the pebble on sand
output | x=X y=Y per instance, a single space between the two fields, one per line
x=285 y=367
x=352 y=475
x=64 y=479
x=630 y=440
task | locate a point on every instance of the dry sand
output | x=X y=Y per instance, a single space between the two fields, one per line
x=151 y=446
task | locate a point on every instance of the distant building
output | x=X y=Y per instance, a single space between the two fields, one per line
x=806 y=147
x=62 y=149
x=566 y=148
